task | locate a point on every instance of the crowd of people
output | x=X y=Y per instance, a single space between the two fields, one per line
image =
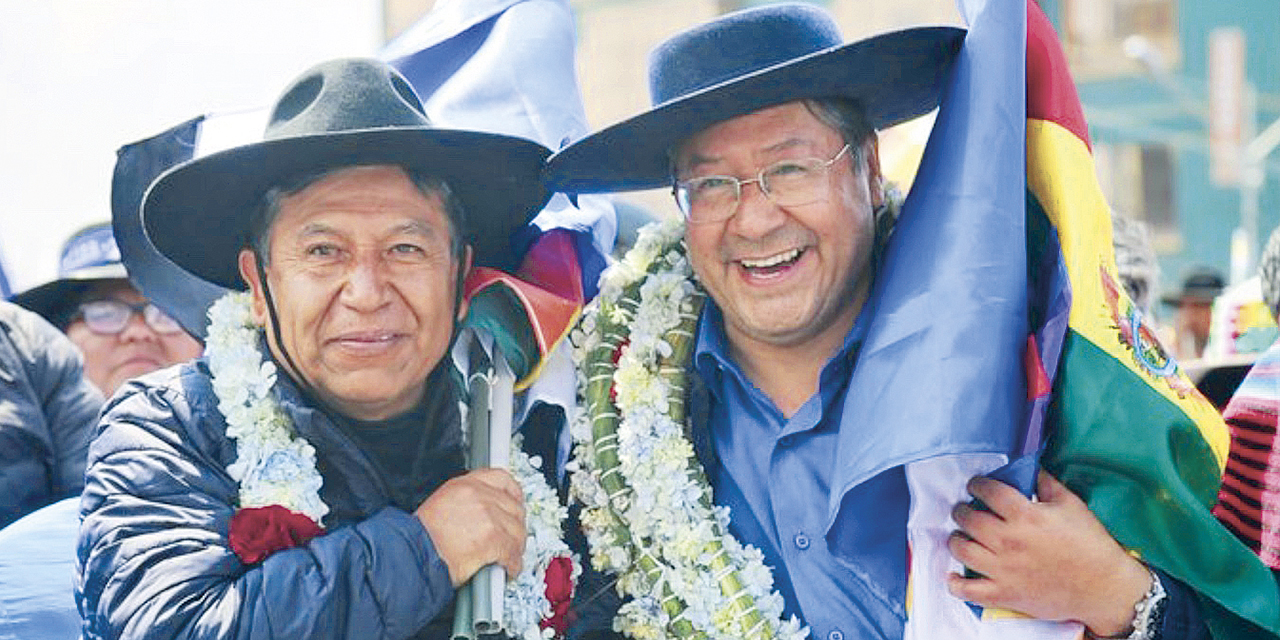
x=303 y=467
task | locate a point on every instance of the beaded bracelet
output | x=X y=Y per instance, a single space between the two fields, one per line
x=1146 y=613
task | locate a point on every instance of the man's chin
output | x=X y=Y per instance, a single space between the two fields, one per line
x=370 y=397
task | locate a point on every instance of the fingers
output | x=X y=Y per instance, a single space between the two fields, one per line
x=474 y=520
x=500 y=479
x=976 y=590
x=970 y=552
x=1002 y=499
x=509 y=495
x=1051 y=491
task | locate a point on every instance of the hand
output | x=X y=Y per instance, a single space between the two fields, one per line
x=475 y=520
x=1050 y=559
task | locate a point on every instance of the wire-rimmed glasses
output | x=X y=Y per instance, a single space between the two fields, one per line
x=788 y=183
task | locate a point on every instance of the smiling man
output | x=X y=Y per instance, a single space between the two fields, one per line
x=306 y=479
x=764 y=127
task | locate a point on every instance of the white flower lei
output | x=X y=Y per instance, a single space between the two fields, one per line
x=658 y=530
x=272 y=465
x=525 y=602
x=275 y=467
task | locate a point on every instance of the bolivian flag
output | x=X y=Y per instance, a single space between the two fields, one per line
x=1126 y=429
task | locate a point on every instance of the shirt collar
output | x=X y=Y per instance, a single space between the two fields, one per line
x=711 y=356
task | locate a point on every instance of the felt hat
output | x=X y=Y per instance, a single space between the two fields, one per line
x=341 y=113
x=89 y=257
x=182 y=295
x=1201 y=284
x=749 y=60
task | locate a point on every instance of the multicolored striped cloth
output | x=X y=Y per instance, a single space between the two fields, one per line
x=1249 y=500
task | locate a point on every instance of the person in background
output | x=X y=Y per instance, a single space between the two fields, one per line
x=47 y=411
x=1193 y=306
x=120 y=333
x=1135 y=260
x=1249 y=501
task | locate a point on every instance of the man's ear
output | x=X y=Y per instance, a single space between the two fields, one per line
x=248 y=263
x=464 y=269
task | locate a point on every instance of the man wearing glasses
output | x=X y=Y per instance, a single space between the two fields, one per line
x=120 y=333
x=765 y=126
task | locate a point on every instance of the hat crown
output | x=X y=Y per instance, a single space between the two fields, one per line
x=1204 y=281
x=735 y=45
x=94 y=246
x=349 y=94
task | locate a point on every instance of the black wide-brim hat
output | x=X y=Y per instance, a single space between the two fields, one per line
x=1202 y=284
x=347 y=112
x=749 y=60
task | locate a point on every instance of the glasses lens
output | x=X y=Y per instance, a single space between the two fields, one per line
x=159 y=320
x=707 y=199
x=795 y=182
x=105 y=316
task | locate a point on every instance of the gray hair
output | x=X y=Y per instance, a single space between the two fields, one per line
x=259 y=240
x=1135 y=260
x=847 y=116
x=1269 y=273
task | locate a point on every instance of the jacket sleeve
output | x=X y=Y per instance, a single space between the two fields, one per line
x=70 y=403
x=47 y=410
x=154 y=559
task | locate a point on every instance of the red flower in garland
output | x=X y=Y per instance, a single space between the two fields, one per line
x=560 y=594
x=257 y=532
x=617 y=355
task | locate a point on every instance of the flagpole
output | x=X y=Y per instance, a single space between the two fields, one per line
x=490 y=582
x=490 y=385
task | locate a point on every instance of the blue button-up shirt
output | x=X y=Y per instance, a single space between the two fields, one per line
x=774 y=473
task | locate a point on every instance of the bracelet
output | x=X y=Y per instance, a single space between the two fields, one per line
x=1146 y=613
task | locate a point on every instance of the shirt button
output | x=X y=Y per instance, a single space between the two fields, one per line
x=835 y=635
x=802 y=543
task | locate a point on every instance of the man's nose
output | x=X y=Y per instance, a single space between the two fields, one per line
x=136 y=328
x=366 y=282
x=756 y=213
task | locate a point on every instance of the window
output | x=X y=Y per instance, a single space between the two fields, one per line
x=1138 y=179
x=1094 y=34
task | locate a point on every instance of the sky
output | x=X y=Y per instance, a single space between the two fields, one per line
x=81 y=78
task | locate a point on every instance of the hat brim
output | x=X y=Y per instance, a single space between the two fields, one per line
x=198 y=213
x=1178 y=299
x=896 y=76
x=53 y=300
x=182 y=295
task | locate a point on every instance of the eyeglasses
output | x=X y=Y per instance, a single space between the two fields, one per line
x=789 y=183
x=110 y=317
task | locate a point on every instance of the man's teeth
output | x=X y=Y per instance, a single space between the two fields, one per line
x=773 y=260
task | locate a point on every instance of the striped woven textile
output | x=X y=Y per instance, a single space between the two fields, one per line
x=1249 y=500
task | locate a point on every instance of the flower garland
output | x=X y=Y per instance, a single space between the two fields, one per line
x=273 y=466
x=536 y=602
x=648 y=514
x=276 y=469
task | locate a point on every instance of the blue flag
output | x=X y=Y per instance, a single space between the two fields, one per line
x=508 y=66
x=941 y=371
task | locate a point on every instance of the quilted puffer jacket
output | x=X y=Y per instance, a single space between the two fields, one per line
x=154 y=559
x=47 y=410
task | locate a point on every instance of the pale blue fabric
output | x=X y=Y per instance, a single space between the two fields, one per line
x=37 y=571
x=506 y=66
